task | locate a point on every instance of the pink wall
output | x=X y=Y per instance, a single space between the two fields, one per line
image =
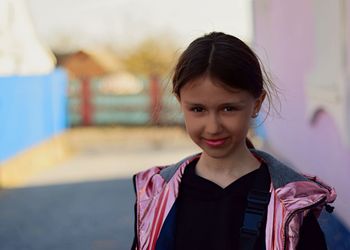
x=284 y=40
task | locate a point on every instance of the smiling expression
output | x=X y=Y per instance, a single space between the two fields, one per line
x=217 y=119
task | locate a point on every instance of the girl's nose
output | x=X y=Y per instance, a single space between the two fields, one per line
x=213 y=124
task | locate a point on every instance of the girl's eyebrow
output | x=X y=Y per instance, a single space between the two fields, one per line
x=233 y=103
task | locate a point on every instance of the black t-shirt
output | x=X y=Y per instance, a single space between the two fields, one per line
x=210 y=217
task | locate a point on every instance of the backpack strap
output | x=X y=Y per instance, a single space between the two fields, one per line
x=257 y=202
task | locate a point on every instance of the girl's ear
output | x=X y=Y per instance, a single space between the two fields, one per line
x=258 y=103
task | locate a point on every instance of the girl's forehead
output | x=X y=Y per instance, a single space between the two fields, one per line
x=208 y=87
x=214 y=97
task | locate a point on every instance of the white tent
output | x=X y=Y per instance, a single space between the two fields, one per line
x=21 y=52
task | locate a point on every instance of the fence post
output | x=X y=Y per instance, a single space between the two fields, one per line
x=86 y=101
x=156 y=99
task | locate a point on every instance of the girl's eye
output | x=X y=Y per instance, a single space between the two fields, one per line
x=229 y=109
x=196 y=109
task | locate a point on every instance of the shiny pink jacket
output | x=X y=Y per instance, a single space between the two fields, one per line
x=292 y=196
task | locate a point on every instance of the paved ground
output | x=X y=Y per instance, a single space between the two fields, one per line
x=87 y=202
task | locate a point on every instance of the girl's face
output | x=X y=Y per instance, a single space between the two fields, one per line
x=217 y=119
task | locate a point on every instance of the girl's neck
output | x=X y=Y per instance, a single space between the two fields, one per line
x=223 y=171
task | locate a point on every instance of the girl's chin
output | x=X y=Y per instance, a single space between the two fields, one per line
x=216 y=153
x=219 y=152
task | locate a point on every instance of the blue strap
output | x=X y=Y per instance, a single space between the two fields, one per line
x=257 y=202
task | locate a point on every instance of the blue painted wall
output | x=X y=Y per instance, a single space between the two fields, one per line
x=32 y=109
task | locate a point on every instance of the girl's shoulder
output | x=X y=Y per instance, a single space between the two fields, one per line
x=280 y=173
x=284 y=177
x=151 y=181
x=166 y=171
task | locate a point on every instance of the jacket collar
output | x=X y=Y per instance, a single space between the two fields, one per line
x=280 y=174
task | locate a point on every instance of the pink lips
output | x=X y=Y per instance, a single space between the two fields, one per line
x=215 y=143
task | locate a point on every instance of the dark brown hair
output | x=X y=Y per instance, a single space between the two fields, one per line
x=224 y=58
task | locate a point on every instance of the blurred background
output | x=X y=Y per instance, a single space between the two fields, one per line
x=85 y=103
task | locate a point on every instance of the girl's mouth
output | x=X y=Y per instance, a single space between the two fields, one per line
x=215 y=143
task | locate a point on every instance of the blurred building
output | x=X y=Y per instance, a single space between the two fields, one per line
x=89 y=63
x=102 y=92
x=32 y=98
x=306 y=46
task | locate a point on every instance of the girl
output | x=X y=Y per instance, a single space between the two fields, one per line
x=229 y=196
